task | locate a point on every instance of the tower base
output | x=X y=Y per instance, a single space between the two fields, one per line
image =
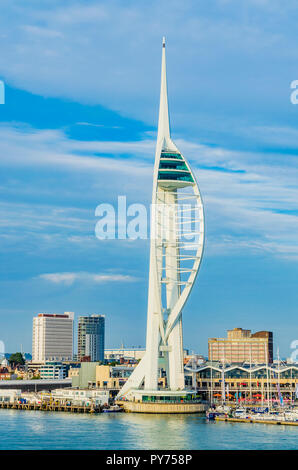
x=162 y=401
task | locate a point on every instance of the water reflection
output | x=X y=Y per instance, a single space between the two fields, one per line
x=41 y=430
x=161 y=431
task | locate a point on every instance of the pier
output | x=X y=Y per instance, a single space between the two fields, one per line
x=44 y=406
x=252 y=420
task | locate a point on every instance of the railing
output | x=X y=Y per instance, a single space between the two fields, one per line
x=174 y=402
x=247 y=389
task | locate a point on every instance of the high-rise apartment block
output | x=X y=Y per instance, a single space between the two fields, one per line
x=242 y=346
x=52 y=337
x=91 y=337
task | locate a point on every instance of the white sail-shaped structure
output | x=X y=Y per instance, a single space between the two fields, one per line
x=176 y=249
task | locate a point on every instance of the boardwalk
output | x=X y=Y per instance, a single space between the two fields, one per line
x=45 y=406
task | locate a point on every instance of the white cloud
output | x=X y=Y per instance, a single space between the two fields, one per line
x=23 y=146
x=43 y=32
x=250 y=197
x=109 y=53
x=98 y=278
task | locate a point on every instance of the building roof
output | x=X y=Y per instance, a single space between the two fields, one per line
x=245 y=367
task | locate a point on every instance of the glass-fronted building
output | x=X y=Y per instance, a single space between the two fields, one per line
x=91 y=338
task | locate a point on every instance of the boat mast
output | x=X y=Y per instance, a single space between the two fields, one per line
x=268 y=390
x=278 y=378
x=250 y=374
x=223 y=388
x=211 y=375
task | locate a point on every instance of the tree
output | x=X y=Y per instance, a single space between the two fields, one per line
x=16 y=359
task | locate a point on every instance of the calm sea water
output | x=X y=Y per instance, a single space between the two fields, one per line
x=45 y=430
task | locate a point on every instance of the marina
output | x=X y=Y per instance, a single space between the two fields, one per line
x=287 y=416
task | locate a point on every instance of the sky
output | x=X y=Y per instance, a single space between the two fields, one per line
x=78 y=129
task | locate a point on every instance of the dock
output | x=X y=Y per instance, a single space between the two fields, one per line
x=252 y=420
x=44 y=406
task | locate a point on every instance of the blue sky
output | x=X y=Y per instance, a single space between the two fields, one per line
x=78 y=128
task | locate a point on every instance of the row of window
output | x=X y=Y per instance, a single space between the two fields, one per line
x=246 y=384
x=237 y=373
x=175 y=176
x=172 y=165
x=171 y=155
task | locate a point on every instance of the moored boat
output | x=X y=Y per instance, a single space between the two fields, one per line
x=113 y=409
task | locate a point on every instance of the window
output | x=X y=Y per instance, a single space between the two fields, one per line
x=183 y=176
x=173 y=165
x=170 y=155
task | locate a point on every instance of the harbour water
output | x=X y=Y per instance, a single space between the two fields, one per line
x=45 y=430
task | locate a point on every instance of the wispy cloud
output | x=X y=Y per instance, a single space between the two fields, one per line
x=91 y=124
x=250 y=197
x=70 y=278
x=218 y=48
x=27 y=147
x=42 y=32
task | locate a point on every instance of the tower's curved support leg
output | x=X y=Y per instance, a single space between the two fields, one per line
x=136 y=378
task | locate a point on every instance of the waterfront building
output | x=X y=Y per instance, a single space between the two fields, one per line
x=91 y=337
x=80 y=397
x=52 y=337
x=9 y=396
x=176 y=249
x=112 y=377
x=242 y=346
x=256 y=383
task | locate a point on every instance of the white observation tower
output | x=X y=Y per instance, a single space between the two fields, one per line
x=176 y=249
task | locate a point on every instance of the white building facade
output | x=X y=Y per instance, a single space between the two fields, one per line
x=52 y=338
x=81 y=397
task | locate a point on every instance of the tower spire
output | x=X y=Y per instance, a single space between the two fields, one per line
x=163 y=120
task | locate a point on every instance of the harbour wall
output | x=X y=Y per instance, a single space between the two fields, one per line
x=136 y=407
